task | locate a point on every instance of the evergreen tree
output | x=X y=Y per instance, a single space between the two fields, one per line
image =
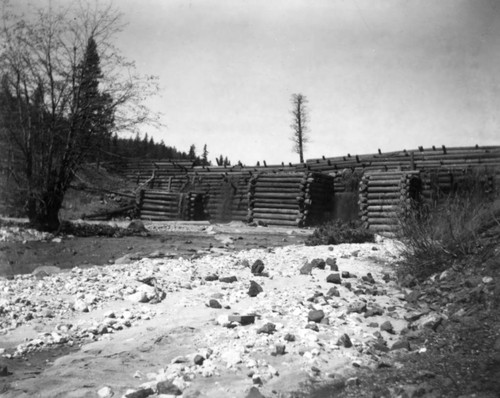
x=192 y=152
x=204 y=157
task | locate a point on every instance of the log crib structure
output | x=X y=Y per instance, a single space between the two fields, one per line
x=303 y=194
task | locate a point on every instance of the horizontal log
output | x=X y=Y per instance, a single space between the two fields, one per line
x=110 y=213
x=162 y=196
x=380 y=195
x=280 y=184
x=271 y=216
x=158 y=218
x=290 y=180
x=161 y=202
x=384 y=189
x=382 y=221
x=385 y=214
x=258 y=205
x=383 y=183
x=381 y=227
x=276 y=211
x=278 y=190
x=382 y=208
x=259 y=195
x=146 y=206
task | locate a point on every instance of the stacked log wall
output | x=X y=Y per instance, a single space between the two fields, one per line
x=384 y=197
x=455 y=160
x=289 y=199
x=166 y=206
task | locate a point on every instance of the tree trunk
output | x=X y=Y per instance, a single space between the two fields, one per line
x=43 y=213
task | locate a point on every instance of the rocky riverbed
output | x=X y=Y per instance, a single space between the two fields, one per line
x=259 y=322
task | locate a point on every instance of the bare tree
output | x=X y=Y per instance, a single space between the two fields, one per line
x=63 y=86
x=299 y=124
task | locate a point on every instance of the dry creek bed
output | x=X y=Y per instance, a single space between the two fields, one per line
x=207 y=326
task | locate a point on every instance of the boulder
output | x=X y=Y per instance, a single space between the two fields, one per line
x=344 y=341
x=254 y=289
x=268 y=328
x=315 y=316
x=254 y=392
x=306 y=269
x=228 y=279
x=168 y=388
x=333 y=292
x=214 y=304
x=387 y=326
x=318 y=263
x=242 y=319
x=257 y=267
x=357 y=306
x=334 y=278
x=332 y=263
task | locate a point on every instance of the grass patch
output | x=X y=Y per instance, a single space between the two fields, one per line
x=336 y=232
x=435 y=237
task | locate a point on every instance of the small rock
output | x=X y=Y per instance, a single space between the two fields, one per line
x=268 y=328
x=312 y=326
x=254 y=289
x=257 y=267
x=334 y=278
x=231 y=357
x=214 y=304
x=357 y=306
x=138 y=297
x=280 y=349
x=257 y=380
x=289 y=337
x=332 y=262
x=81 y=306
x=223 y=320
x=306 y=269
x=346 y=274
x=212 y=277
x=372 y=311
x=254 y=392
x=105 y=392
x=315 y=316
x=344 y=341
x=198 y=360
x=168 y=388
x=402 y=344
x=179 y=359
x=431 y=321
x=142 y=393
x=242 y=319
x=318 y=263
x=4 y=371
x=228 y=279
x=333 y=292
x=368 y=278
x=387 y=326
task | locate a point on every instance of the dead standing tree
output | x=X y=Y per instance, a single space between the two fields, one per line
x=64 y=86
x=299 y=124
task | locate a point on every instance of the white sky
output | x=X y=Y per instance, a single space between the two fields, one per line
x=389 y=74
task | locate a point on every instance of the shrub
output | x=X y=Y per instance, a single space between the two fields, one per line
x=435 y=237
x=337 y=231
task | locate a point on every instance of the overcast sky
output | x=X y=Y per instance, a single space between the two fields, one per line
x=389 y=74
